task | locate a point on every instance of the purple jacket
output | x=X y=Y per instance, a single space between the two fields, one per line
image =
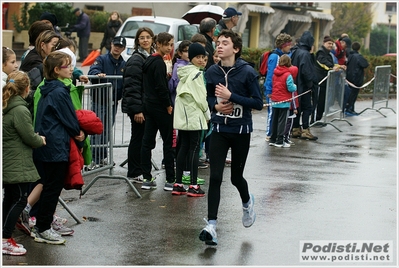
x=82 y=26
x=174 y=80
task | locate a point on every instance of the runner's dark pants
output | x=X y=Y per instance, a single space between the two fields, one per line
x=220 y=144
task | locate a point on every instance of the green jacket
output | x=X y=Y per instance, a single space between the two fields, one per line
x=76 y=93
x=191 y=110
x=18 y=140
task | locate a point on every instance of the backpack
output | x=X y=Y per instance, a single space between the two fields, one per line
x=263 y=62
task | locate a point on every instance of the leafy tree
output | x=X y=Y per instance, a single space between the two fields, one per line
x=353 y=18
x=379 y=40
x=62 y=11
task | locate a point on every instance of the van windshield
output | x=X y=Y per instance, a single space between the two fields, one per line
x=131 y=27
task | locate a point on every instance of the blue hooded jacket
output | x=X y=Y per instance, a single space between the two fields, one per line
x=242 y=81
x=56 y=120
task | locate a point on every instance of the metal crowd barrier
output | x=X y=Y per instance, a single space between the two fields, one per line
x=382 y=77
x=121 y=136
x=335 y=90
x=98 y=98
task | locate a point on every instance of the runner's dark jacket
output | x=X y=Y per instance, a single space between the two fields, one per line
x=243 y=83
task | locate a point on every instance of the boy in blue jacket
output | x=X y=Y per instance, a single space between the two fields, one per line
x=232 y=92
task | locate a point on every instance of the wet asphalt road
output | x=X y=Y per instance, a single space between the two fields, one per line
x=341 y=187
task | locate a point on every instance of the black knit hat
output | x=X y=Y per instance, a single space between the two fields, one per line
x=195 y=49
x=50 y=17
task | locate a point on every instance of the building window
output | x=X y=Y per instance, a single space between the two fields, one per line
x=98 y=8
x=390 y=7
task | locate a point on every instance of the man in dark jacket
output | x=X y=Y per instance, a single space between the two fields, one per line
x=207 y=28
x=355 y=75
x=107 y=64
x=324 y=63
x=82 y=28
x=306 y=80
x=158 y=113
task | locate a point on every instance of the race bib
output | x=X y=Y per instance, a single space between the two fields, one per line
x=237 y=112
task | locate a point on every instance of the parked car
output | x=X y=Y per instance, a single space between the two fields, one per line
x=179 y=28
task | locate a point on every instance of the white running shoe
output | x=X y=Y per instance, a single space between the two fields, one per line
x=10 y=247
x=208 y=234
x=249 y=215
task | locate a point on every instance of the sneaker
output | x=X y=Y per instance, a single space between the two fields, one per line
x=286 y=145
x=178 y=189
x=104 y=162
x=49 y=236
x=149 y=184
x=187 y=180
x=267 y=138
x=249 y=215
x=168 y=186
x=208 y=234
x=138 y=179
x=59 y=219
x=278 y=145
x=32 y=221
x=61 y=229
x=23 y=222
x=10 y=247
x=91 y=166
x=272 y=143
x=202 y=165
x=296 y=132
x=306 y=135
x=195 y=191
x=290 y=142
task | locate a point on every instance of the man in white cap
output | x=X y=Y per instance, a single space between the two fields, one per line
x=229 y=20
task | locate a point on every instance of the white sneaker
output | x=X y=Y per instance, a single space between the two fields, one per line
x=61 y=229
x=208 y=234
x=138 y=179
x=58 y=219
x=49 y=236
x=286 y=145
x=10 y=247
x=249 y=215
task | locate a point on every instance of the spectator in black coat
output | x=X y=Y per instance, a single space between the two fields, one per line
x=355 y=75
x=112 y=27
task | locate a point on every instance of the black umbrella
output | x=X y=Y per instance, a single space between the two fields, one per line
x=197 y=13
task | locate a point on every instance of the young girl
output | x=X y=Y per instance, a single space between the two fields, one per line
x=181 y=60
x=190 y=119
x=9 y=64
x=132 y=103
x=56 y=119
x=18 y=167
x=283 y=86
x=216 y=58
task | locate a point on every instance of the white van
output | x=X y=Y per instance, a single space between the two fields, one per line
x=179 y=28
